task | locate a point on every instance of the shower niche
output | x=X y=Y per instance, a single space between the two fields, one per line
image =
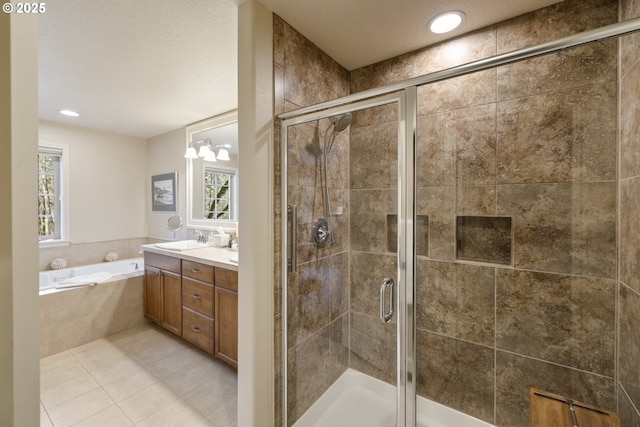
x=486 y=239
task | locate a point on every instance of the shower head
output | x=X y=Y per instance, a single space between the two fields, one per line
x=340 y=122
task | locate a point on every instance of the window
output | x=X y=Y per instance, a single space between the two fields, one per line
x=219 y=194
x=51 y=173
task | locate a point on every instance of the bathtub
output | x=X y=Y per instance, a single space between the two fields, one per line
x=86 y=303
x=358 y=399
x=89 y=275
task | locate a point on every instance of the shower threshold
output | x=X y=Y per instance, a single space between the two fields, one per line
x=357 y=399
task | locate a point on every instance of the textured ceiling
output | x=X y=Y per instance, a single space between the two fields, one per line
x=146 y=67
x=137 y=67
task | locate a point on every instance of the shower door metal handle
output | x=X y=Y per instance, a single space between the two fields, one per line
x=292 y=212
x=385 y=316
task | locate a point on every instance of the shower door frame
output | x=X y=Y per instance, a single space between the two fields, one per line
x=406 y=92
x=406 y=101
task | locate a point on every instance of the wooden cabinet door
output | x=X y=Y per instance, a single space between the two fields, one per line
x=153 y=294
x=226 y=326
x=172 y=304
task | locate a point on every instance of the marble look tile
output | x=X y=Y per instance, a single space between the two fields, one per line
x=455 y=373
x=476 y=200
x=382 y=73
x=515 y=374
x=278 y=97
x=629 y=9
x=563 y=228
x=438 y=203
x=551 y=23
x=314 y=365
x=456 y=300
x=568 y=320
x=369 y=210
x=474 y=89
x=311 y=76
x=630 y=232
x=435 y=151
x=373 y=347
x=304 y=154
x=318 y=294
x=387 y=113
x=460 y=50
x=278 y=40
x=630 y=121
x=484 y=239
x=629 y=343
x=309 y=201
x=367 y=272
x=309 y=301
x=570 y=69
x=628 y=414
x=373 y=156
x=570 y=134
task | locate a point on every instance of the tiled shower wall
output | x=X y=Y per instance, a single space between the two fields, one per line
x=534 y=142
x=629 y=228
x=318 y=298
x=488 y=331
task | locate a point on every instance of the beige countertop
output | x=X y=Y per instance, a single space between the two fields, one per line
x=210 y=255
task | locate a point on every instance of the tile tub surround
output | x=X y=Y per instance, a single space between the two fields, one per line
x=476 y=136
x=77 y=316
x=91 y=253
x=143 y=377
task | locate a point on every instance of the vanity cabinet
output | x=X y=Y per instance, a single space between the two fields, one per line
x=163 y=291
x=197 y=304
x=226 y=315
x=196 y=301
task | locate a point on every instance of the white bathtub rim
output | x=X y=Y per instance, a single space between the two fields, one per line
x=48 y=287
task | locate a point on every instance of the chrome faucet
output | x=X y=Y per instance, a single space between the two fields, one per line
x=201 y=237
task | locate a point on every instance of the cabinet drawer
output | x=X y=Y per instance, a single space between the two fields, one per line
x=163 y=262
x=197 y=329
x=197 y=296
x=227 y=279
x=198 y=271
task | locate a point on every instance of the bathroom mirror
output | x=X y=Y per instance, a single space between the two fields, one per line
x=212 y=181
x=174 y=223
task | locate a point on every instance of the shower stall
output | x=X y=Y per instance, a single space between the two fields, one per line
x=451 y=241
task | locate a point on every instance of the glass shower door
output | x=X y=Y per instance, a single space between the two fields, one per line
x=343 y=285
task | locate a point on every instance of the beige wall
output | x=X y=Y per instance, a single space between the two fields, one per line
x=255 y=271
x=165 y=153
x=107 y=173
x=19 y=354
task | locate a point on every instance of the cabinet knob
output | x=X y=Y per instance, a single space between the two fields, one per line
x=195 y=270
x=195 y=329
x=195 y=296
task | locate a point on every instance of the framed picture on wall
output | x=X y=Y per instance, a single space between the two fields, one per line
x=164 y=192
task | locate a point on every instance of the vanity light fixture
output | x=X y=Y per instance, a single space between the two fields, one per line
x=69 y=113
x=206 y=151
x=223 y=154
x=445 y=22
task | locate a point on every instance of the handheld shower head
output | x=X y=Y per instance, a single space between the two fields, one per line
x=340 y=122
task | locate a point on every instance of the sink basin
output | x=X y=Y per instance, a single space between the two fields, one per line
x=182 y=245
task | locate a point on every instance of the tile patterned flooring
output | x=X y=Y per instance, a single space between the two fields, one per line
x=141 y=377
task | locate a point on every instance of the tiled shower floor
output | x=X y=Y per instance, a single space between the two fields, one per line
x=141 y=377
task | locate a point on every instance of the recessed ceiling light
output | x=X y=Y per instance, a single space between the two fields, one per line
x=446 y=22
x=69 y=113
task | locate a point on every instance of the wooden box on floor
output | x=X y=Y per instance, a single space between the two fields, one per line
x=549 y=409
